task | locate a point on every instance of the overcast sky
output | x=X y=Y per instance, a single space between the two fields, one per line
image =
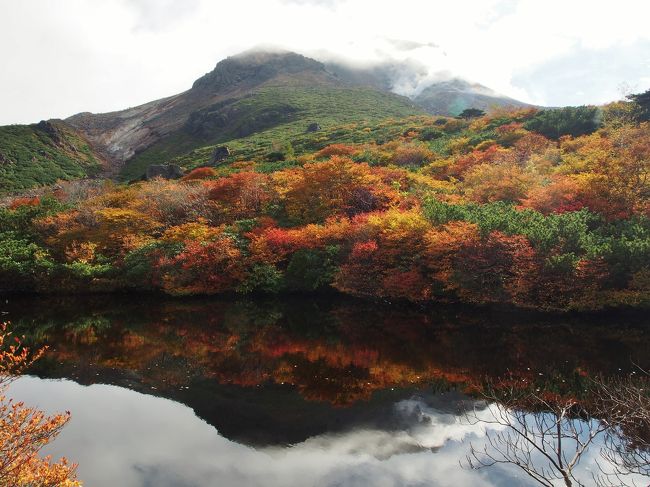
x=66 y=56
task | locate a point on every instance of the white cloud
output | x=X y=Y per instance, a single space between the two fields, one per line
x=59 y=58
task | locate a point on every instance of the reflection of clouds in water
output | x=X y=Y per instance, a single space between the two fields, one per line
x=120 y=437
x=423 y=429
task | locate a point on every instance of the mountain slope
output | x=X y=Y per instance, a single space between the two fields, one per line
x=124 y=133
x=436 y=93
x=274 y=114
x=39 y=154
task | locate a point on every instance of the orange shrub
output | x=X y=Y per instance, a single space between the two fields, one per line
x=242 y=195
x=24 y=201
x=492 y=154
x=26 y=430
x=487 y=183
x=412 y=155
x=560 y=196
x=336 y=150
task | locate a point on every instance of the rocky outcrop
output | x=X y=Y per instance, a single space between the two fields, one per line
x=233 y=120
x=50 y=130
x=219 y=154
x=313 y=127
x=165 y=171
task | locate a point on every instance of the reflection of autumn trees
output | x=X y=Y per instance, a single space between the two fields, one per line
x=339 y=354
x=339 y=373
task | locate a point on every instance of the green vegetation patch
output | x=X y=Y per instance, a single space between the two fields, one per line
x=40 y=154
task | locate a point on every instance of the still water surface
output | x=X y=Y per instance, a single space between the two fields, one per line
x=298 y=391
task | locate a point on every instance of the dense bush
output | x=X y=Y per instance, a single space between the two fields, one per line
x=574 y=121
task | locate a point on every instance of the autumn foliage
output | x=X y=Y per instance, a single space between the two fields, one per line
x=488 y=210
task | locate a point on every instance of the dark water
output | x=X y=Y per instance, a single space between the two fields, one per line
x=298 y=391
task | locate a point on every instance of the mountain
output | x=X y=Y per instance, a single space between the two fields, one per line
x=245 y=94
x=271 y=95
x=127 y=132
x=450 y=97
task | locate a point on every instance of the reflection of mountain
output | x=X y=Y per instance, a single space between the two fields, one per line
x=279 y=367
x=147 y=441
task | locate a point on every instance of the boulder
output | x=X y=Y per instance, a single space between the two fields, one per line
x=165 y=171
x=313 y=127
x=219 y=154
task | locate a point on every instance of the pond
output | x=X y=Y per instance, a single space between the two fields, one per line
x=294 y=391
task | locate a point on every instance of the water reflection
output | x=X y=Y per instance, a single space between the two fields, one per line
x=124 y=438
x=295 y=391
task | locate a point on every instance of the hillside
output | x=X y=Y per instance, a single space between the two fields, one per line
x=436 y=93
x=538 y=209
x=293 y=92
x=270 y=118
x=39 y=154
x=124 y=133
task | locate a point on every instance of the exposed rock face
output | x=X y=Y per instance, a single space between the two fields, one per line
x=313 y=127
x=228 y=117
x=50 y=130
x=219 y=154
x=121 y=134
x=165 y=171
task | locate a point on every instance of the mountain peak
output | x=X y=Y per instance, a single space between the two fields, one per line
x=256 y=66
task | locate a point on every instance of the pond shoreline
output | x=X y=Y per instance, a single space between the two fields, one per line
x=500 y=309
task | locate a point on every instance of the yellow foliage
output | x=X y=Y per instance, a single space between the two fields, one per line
x=460 y=145
x=81 y=252
x=487 y=183
x=199 y=231
x=485 y=144
x=395 y=224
